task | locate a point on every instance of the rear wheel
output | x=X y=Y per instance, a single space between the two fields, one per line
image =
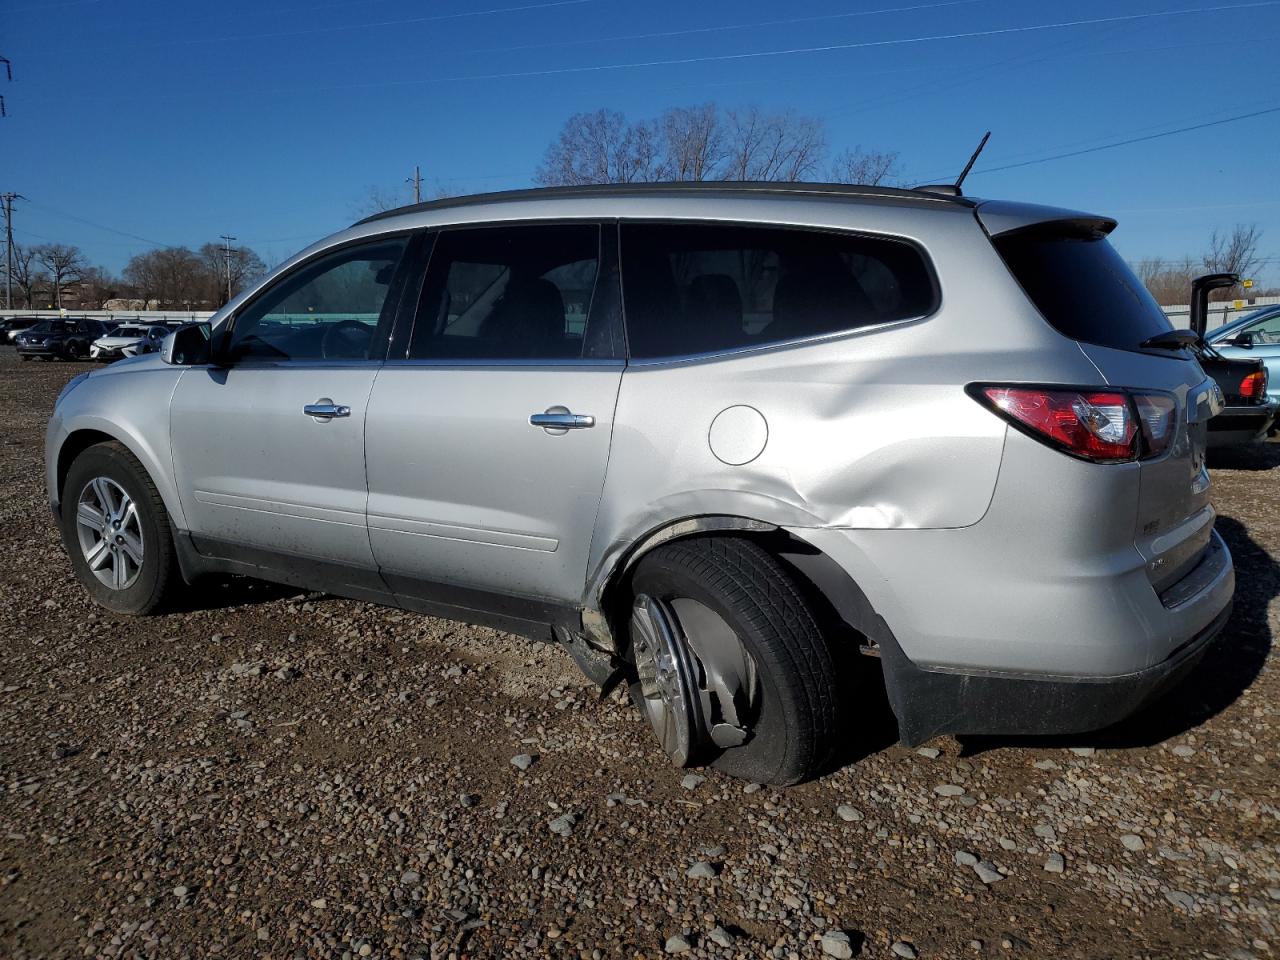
x=731 y=667
x=116 y=531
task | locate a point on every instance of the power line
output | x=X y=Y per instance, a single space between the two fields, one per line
x=1131 y=140
x=724 y=28
x=825 y=48
x=338 y=28
x=99 y=226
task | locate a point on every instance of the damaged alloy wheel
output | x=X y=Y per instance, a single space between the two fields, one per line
x=730 y=666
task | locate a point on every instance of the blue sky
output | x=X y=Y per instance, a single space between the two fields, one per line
x=174 y=122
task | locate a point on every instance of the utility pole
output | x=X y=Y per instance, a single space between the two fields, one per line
x=416 y=180
x=8 y=199
x=226 y=260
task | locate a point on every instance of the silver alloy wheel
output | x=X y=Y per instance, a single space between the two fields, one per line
x=110 y=532
x=698 y=685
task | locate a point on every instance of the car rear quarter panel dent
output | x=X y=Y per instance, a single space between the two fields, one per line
x=132 y=409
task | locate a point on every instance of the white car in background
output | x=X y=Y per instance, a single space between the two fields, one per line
x=128 y=340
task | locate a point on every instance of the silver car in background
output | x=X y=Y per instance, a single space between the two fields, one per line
x=716 y=440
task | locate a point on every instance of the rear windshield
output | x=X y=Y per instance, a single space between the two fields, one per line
x=1081 y=286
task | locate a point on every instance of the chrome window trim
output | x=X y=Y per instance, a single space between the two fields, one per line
x=604 y=363
x=314 y=363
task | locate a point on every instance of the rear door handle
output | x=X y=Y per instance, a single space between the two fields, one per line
x=324 y=410
x=557 y=419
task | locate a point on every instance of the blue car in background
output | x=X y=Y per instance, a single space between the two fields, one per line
x=1254 y=336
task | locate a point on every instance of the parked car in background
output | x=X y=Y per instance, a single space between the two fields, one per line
x=1249 y=413
x=715 y=439
x=10 y=328
x=65 y=338
x=128 y=340
x=1255 y=335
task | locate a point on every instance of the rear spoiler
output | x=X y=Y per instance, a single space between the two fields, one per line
x=1000 y=217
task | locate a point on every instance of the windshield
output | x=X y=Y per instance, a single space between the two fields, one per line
x=1229 y=328
x=51 y=326
x=129 y=332
x=1081 y=285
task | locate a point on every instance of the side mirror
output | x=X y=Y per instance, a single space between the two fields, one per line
x=1242 y=340
x=188 y=346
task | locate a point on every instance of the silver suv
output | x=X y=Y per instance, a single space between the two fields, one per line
x=716 y=440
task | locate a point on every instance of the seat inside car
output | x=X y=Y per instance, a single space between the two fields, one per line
x=713 y=312
x=529 y=319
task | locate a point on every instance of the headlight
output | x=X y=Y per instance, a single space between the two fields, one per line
x=71 y=385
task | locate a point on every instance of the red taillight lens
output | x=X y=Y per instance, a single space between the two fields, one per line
x=1095 y=425
x=1105 y=426
x=1254 y=385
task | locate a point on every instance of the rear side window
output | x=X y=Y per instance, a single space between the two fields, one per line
x=695 y=288
x=1081 y=285
x=508 y=293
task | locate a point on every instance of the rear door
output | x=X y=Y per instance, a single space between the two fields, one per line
x=1085 y=291
x=489 y=427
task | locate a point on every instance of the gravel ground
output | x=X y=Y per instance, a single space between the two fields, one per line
x=277 y=774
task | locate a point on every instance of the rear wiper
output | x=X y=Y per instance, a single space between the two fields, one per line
x=1172 y=340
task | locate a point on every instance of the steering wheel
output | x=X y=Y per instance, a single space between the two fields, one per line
x=346 y=340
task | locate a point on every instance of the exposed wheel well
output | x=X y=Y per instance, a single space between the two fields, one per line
x=72 y=447
x=844 y=612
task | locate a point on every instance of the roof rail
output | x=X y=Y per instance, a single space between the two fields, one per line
x=725 y=187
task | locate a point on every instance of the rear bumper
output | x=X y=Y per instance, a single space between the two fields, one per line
x=930 y=703
x=1242 y=424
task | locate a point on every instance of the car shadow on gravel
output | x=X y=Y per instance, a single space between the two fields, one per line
x=222 y=593
x=1246 y=456
x=1230 y=665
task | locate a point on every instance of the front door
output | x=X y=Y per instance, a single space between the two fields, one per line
x=269 y=447
x=488 y=437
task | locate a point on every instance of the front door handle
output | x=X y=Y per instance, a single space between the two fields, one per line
x=558 y=419
x=324 y=410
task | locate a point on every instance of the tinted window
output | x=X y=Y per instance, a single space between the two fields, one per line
x=327 y=309
x=699 y=289
x=1082 y=286
x=513 y=293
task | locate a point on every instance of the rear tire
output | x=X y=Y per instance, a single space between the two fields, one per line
x=117 y=532
x=791 y=713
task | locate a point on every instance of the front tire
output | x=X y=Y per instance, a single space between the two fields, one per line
x=117 y=532
x=732 y=668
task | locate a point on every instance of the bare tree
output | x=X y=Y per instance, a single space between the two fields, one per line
x=1234 y=252
x=26 y=275
x=173 y=276
x=602 y=147
x=245 y=266
x=869 y=167
x=772 y=146
x=1169 y=283
x=378 y=200
x=693 y=143
x=96 y=286
x=64 y=263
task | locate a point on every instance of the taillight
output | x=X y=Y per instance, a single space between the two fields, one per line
x=1254 y=385
x=1101 y=425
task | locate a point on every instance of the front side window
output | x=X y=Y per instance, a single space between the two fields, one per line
x=327 y=309
x=1266 y=330
x=695 y=288
x=508 y=293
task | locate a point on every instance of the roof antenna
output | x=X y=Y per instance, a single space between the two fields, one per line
x=972 y=160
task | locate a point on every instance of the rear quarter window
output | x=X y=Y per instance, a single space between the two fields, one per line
x=1081 y=286
x=698 y=288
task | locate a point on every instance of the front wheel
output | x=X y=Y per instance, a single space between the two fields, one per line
x=731 y=667
x=116 y=530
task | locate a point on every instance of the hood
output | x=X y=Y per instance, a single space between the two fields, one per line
x=110 y=341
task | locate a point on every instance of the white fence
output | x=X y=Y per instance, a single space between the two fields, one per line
x=118 y=316
x=1220 y=313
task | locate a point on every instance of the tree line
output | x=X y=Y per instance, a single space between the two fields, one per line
x=57 y=275
x=705 y=142
x=1234 y=251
